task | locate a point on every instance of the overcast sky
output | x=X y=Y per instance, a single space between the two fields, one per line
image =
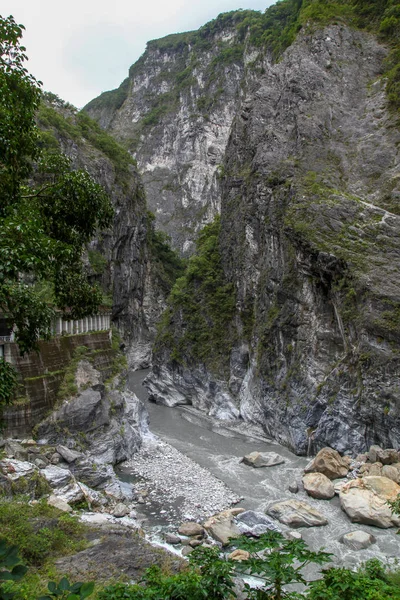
x=80 y=48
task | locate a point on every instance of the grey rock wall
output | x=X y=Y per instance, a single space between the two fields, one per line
x=310 y=224
x=176 y=119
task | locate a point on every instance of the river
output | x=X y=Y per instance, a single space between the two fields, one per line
x=219 y=449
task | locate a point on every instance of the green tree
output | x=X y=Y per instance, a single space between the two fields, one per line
x=278 y=563
x=48 y=211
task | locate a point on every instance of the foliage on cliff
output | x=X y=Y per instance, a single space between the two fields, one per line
x=201 y=306
x=166 y=262
x=56 y=117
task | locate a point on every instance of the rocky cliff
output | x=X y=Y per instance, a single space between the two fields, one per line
x=306 y=308
x=283 y=128
x=174 y=113
x=134 y=266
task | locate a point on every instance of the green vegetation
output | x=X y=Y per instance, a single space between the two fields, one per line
x=65 y=590
x=11 y=568
x=8 y=382
x=203 y=303
x=276 y=562
x=112 y=100
x=167 y=263
x=67 y=123
x=40 y=531
x=97 y=261
x=43 y=225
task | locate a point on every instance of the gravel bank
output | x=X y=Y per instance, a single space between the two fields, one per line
x=184 y=489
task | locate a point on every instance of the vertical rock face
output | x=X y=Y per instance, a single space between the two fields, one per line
x=310 y=240
x=120 y=259
x=174 y=113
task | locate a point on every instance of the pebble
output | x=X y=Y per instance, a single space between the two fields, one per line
x=175 y=476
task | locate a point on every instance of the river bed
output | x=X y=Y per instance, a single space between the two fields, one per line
x=217 y=448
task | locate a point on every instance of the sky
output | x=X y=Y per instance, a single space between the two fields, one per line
x=80 y=48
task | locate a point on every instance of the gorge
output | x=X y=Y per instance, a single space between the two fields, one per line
x=252 y=275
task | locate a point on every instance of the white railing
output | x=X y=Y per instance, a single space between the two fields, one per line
x=6 y=338
x=60 y=326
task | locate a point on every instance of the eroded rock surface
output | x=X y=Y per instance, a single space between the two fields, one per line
x=296 y=513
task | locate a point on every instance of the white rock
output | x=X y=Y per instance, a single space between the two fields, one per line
x=59 y=503
x=358 y=540
x=56 y=476
x=317 y=485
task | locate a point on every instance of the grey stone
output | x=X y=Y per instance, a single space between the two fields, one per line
x=41 y=462
x=296 y=513
x=67 y=454
x=254 y=523
x=56 y=476
x=293 y=488
x=121 y=510
x=190 y=528
x=172 y=539
x=264 y=459
x=358 y=540
x=15 y=450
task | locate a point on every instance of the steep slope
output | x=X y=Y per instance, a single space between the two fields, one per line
x=175 y=110
x=131 y=262
x=306 y=308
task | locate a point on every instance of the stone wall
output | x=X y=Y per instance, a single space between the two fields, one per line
x=42 y=374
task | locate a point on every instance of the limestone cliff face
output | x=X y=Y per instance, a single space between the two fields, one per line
x=174 y=113
x=309 y=240
x=120 y=259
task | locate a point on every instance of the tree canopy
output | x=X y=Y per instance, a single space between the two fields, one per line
x=48 y=211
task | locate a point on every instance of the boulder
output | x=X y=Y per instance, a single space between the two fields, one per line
x=68 y=455
x=190 y=528
x=317 y=485
x=361 y=458
x=239 y=555
x=330 y=463
x=221 y=526
x=386 y=457
x=91 y=473
x=187 y=550
x=296 y=513
x=15 y=469
x=391 y=473
x=375 y=469
x=365 y=501
x=358 y=540
x=265 y=459
x=120 y=490
x=254 y=523
x=172 y=539
x=14 y=450
x=55 y=458
x=41 y=462
x=92 y=497
x=294 y=488
x=59 y=503
x=71 y=493
x=57 y=477
x=121 y=510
